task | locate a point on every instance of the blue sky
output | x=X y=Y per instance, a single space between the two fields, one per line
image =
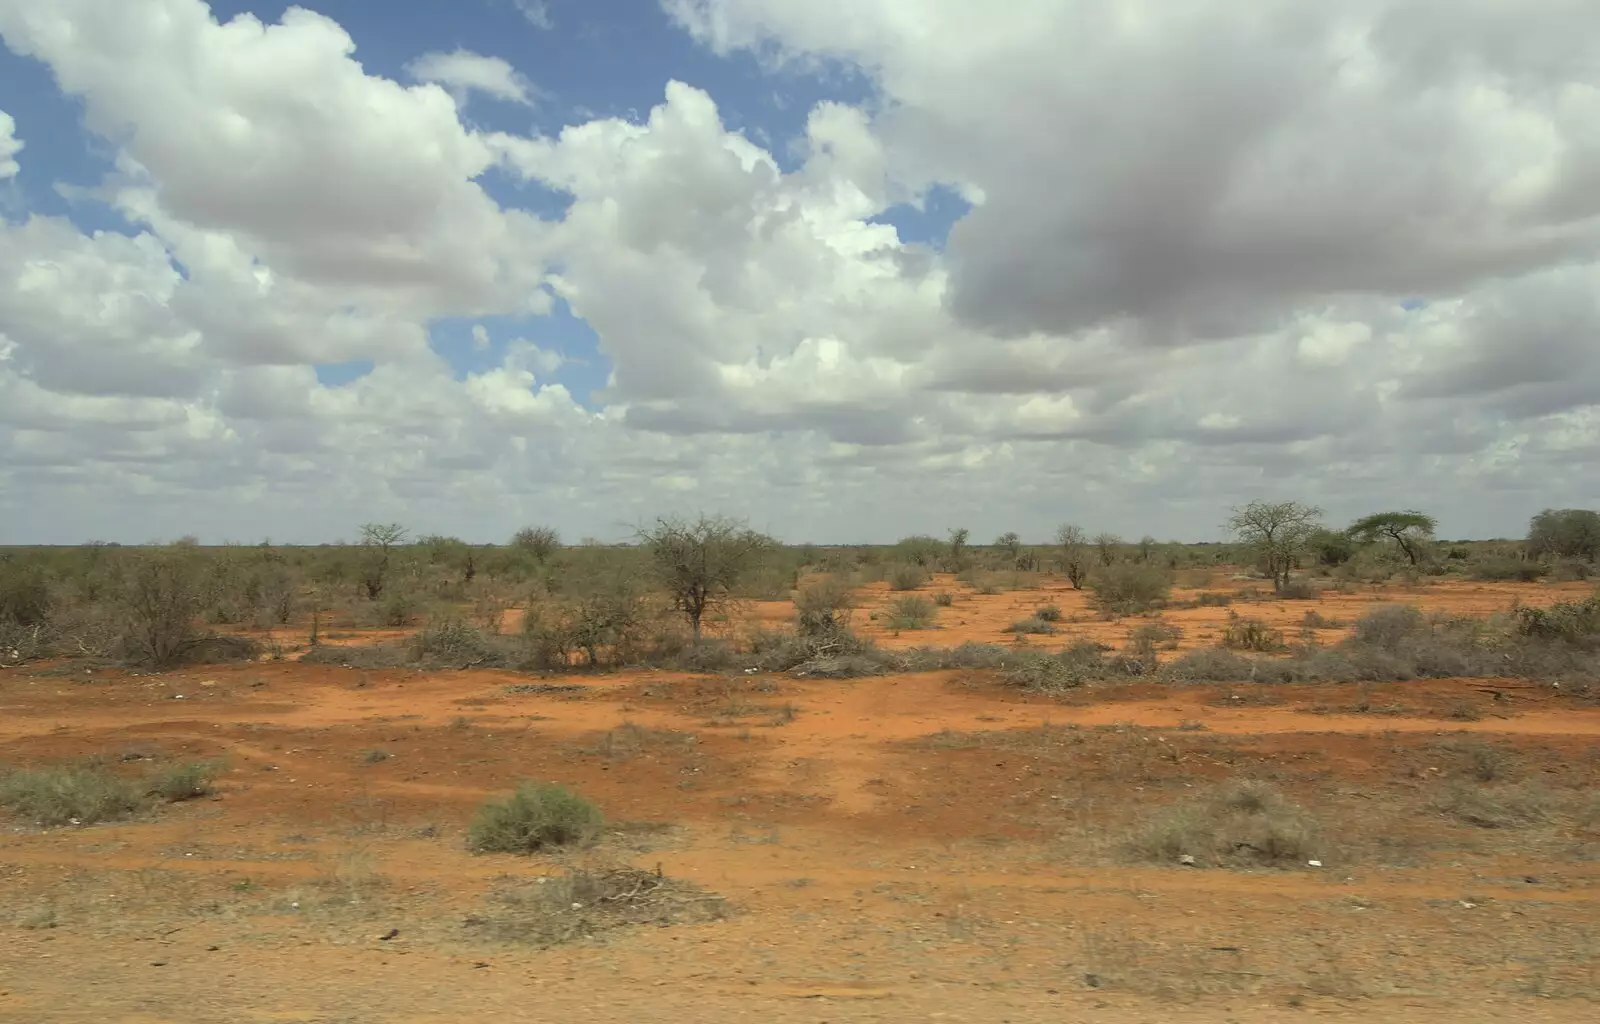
x=596 y=59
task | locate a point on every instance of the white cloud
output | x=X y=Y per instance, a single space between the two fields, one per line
x=10 y=146
x=537 y=12
x=1181 y=286
x=463 y=71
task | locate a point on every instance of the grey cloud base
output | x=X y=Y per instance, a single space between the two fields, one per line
x=1343 y=253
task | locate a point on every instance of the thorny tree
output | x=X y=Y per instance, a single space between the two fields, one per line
x=1410 y=530
x=699 y=563
x=1277 y=531
x=1074 y=553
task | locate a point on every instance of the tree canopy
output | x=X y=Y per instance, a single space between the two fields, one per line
x=1409 y=530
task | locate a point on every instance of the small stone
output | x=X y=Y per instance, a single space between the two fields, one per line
x=1314 y=863
x=1187 y=860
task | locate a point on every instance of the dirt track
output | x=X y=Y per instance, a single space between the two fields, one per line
x=923 y=847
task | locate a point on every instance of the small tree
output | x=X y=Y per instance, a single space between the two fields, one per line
x=1277 y=532
x=1410 y=530
x=1010 y=545
x=540 y=542
x=699 y=563
x=958 y=542
x=375 y=572
x=1106 y=545
x=1074 y=553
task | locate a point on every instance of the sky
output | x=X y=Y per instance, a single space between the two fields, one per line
x=848 y=269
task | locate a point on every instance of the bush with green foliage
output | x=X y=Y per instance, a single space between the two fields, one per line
x=907 y=576
x=1565 y=533
x=910 y=612
x=537 y=816
x=1049 y=613
x=1130 y=588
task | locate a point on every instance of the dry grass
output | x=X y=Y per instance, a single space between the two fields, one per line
x=583 y=903
x=1237 y=824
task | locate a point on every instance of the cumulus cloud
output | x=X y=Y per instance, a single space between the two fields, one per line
x=10 y=146
x=462 y=71
x=1346 y=253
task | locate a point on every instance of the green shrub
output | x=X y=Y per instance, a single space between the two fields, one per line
x=182 y=782
x=1130 y=588
x=1238 y=824
x=24 y=594
x=538 y=815
x=70 y=795
x=1574 y=622
x=1048 y=613
x=1213 y=599
x=910 y=612
x=944 y=600
x=907 y=576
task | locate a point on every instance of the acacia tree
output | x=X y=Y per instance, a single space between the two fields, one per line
x=1410 y=530
x=540 y=542
x=699 y=563
x=1011 y=544
x=382 y=536
x=1074 y=553
x=958 y=543
x=1277 y=531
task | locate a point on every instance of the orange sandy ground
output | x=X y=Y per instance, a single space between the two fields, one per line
x=919 y=847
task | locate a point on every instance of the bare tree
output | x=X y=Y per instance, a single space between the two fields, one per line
x=1277 y=532
x=1074 y=553
x=699 y=563
x=1410 y=530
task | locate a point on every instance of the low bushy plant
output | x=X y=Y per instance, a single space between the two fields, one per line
x=537 y=816
x=1130 y=588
